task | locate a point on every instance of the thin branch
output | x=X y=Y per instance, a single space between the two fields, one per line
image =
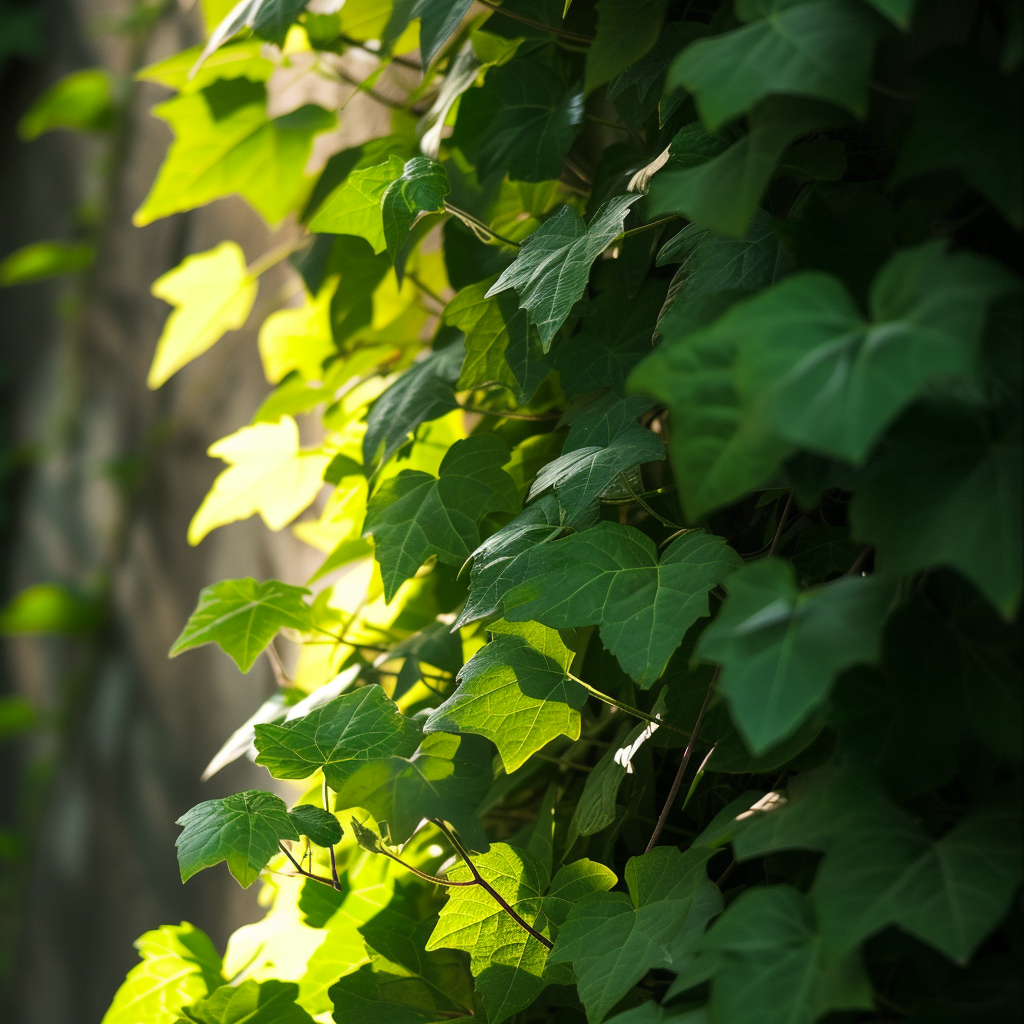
x=479 y=226
x=430 y=293
x=301 y=870
x=425 y=875
x=484 y=884
x=782 y=523
x=506 y=415
x=562 y=33
x=280 y=676
x=647 y=227
x=859 y=564
x=334 y=864
x=403 y=61
x=677 y=781
x=636 y=712
x=640 y=501
x=272 y=257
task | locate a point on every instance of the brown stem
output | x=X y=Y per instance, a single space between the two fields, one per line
x=487 y=887
x=301 y=870
x=576 y=37
x=280 y=676
x=677 y=781
x=782 y=523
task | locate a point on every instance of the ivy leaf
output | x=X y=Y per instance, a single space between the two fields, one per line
x=269 y=19
x=626 y=30
x=225 y=143
x=212 y=292
x=830 y=382
x=268 y=1002
x=929 y=887
x=242 y=829
x=521 y=121
x=551 y=270
x=504 y=559
x=960 y=124
x=722 y=190
x=612 y=940
x=82 y=101
x=507 y=962
x=424 y=392
x=438 y=20
x=501 y=345
x=780 y=649
x=610 y=576
x=420 y=188
x=319 y=826
x=768 y=965
x=447 y=777
x=337 y=737
x=946 y=490
x=611 y=341
x=354 y=207
x=516 y=692
x=822 y=50
x=605 y=443
x=179 y=967
x=267 y=473
x=415 y=515
x=299 y=338
x=243 y=616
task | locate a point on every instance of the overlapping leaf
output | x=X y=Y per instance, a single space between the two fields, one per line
x=268 y=1002
x=420 y=188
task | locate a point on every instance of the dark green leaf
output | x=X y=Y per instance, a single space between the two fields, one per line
x=946 y=490
x=516 y=692
x=268 y=1002
x=243 y=616
x=626 y=30
x=780 y=649
x=610 y=576
x=821 y=50
x=338 y=736
x=438 y=20
x=242 y=829
x=320 y=826
x=421 y=188
x=415 y=515
x=551 y=271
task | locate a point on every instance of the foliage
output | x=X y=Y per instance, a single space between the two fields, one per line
x=661 y=396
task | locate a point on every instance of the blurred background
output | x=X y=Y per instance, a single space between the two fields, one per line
x=102 y=738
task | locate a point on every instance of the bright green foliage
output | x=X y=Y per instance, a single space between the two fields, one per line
x=780 y=649
x=243 y=829
x=415 y=515
x=40 y=260
x=243 y=616
x=179 y=966
x=612 y=940
x=515 y=691
x=337 y=737
x=507 y=962
x=82 y=101
x=666 y=359
x=611 y=576
x=550 y=273
x=50 y=608
x=272 y=1002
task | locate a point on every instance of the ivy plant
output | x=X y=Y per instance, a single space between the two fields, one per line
x=659 y=369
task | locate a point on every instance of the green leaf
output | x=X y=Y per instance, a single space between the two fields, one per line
x=438 y=20
x=611 y=341
x=415 y=515
x=721 y=190
x=521 y=121
x=82 y=101
x=40 y=260
x=501 y=345
x=599 y=456
x=610 y=576
x=961 y=123
x=420 y=188
x=319 y=826
x=179 y=966
x=212 y=292
x=242 y=829
x=516 y=692
x=507 y=962
x=422 y=393
x=447 y=777
x=626 y=30
x=551 y=271
x=243 y=616
x=881 y=868
x=225 y=143
x=269 y=1002
x=769 y=966
x=780 y=649
x=822 y=50
x=946 y=490
x=612 y=940
x=354 y=207
x=50 y=608
x=269 y=19
x=337 y=737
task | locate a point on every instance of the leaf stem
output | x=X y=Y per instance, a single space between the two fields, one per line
x=327 y=807
x=562 y=33
x=486 y=886
x=647 y=227
x=859 y=564
x=478 y=225
x=506 y=415
x=272 y=257
x=629 y=709
x=782 y=523
x=301 y=870
x=681 y=771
